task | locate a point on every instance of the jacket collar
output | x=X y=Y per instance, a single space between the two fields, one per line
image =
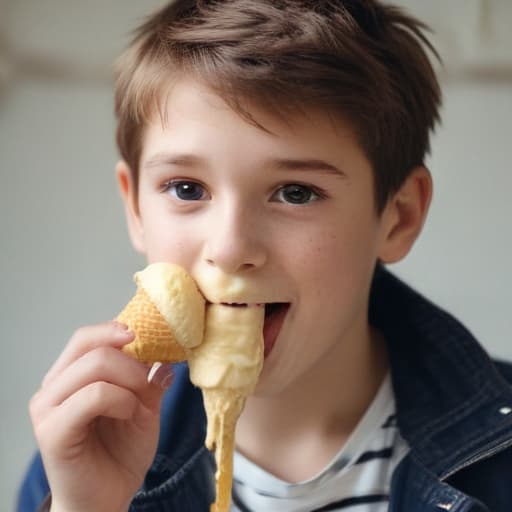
x=453 y=406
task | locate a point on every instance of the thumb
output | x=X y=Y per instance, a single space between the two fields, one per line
x=159 y=379
x=161 y=375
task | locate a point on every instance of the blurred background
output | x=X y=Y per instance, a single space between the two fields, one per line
x=65 y=258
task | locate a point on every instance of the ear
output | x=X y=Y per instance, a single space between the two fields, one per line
x=128 y=191
x=404 y=215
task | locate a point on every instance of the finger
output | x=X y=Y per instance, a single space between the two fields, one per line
x=103 y=364
x=159 y=379
x=68 y=425
x=161 y=374
x=88 y=338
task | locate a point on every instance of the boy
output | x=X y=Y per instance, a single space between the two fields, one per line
x=281 y=143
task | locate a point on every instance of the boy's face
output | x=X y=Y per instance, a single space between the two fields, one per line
x=290 y=213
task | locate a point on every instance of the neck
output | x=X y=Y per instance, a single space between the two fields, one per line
x=311 y=420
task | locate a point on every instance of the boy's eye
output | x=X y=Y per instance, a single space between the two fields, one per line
x=186 y=190
x=295 y=194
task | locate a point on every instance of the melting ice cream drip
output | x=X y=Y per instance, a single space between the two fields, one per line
x=226 y=366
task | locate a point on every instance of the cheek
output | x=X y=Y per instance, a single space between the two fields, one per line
x=168 y=241
x=321 y=250
x=340 y=258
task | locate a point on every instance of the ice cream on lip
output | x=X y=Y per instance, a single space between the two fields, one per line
x=238 y=291
x=219 y=287
x=274 y=316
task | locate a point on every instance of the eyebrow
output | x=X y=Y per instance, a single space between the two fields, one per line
x=168 y=159
x=284 y=164
x=309 y=164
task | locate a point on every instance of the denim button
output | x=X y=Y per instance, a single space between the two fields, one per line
x=505 y=410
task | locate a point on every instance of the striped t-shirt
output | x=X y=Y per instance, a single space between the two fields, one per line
x=356 y=480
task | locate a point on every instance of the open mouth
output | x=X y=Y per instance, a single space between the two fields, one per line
x=275 y=313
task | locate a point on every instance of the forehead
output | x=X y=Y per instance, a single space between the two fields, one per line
x=192 y=117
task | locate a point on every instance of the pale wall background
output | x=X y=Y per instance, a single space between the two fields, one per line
x=65 y=259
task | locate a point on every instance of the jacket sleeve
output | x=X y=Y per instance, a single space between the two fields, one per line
x=34 y=488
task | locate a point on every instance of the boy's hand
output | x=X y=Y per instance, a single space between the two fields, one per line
x=96 y=420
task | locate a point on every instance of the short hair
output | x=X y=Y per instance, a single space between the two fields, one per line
x=362 y=60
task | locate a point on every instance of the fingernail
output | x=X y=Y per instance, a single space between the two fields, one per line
x=123 y=330
x=161 y=375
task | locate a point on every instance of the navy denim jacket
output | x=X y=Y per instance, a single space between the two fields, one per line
x=454 y=407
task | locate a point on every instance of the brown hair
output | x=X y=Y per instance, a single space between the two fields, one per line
x=358 y=59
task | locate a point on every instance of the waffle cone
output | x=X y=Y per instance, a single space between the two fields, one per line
x=154 y=340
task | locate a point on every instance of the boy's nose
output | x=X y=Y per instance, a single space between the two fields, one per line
x=234 y=244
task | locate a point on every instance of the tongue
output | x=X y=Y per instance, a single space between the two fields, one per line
x=272 y=326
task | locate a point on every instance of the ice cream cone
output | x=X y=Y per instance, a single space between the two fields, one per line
x=154 y=340
x=223 y=345
x=166 y=315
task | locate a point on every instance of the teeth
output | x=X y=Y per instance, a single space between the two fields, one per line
x=242 y=304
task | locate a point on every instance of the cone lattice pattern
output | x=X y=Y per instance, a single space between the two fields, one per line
x=153 y=341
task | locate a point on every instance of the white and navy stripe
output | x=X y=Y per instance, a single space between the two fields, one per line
x=357 y=479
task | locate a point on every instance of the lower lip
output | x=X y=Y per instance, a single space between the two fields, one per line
x=272 y=327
